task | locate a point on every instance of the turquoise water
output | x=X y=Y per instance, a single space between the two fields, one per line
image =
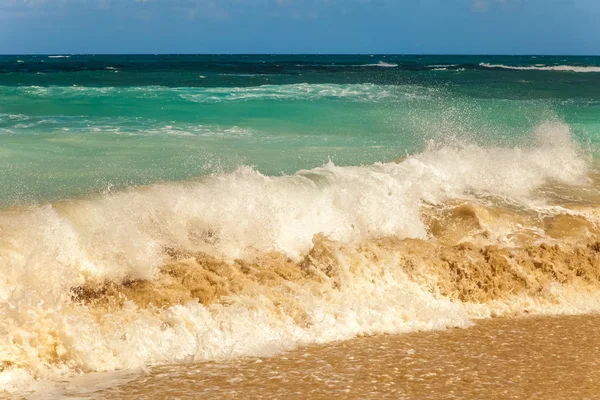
x=75 y=125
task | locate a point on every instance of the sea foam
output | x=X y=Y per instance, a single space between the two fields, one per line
x=560 y=68
x=288 y=260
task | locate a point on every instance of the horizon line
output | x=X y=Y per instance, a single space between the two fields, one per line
x=305 y=54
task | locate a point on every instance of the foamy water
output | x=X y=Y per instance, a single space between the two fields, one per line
x=559 y=68
x=246 y=264
x=192 y=208
x=545 y=357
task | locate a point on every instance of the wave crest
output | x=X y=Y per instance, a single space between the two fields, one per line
x=243 y=263
x=560 y=68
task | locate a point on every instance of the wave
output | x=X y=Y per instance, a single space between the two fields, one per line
x=382 y=64
x=17 y=117
x=247 y=264
x=59 y=56
x=248 y=75
x=442 y=65
x=192 y=130
x=122 y=126
x=301 y=91
x=562 y=68
x=447 y=67
x=166 y=130
x=342 y=66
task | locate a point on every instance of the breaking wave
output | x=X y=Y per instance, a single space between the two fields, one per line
x=562 y=68
x=247 y=264
x=382 y=64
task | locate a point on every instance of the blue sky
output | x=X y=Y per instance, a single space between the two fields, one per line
x=300 y=26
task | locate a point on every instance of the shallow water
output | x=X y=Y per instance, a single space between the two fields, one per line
x=79 y=124
x=532 y=358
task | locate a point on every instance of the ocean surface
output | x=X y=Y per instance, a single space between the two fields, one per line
x=73 y=125
x=168 y=209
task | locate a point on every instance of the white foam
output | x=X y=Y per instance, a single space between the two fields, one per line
x=562 y=68
x=19 y=117
x=442 y=65
x=382 y=64
x=368 y=93
x=246 y=75
x=196 y=130
x=301 y=91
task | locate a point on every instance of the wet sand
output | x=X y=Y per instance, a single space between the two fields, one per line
x=525 y=358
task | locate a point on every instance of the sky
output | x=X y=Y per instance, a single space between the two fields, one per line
x=300 y=26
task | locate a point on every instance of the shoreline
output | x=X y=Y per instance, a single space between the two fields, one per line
x=554 y=357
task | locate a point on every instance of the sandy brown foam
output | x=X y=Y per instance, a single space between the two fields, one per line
x=465 y=259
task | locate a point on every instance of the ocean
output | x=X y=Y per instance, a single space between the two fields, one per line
x=174 y=209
